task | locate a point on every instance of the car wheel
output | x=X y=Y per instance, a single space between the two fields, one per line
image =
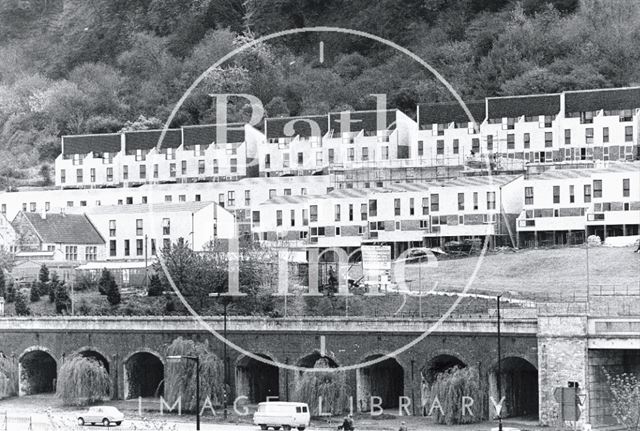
x=80 y=421
x=263 y=427
x=300 y=428
x=276 y=428
x=286 y=427
x=118 y=423
x=106 y=422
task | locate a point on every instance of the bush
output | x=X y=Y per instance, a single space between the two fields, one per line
x=3 y=290
x=107 y=286
x=155 y=286
x=331 y=386
x=83 y=381
x=54 y=286
x=180 y=376
x=22 y=309
x=11 y=292
x=34 y=295
x=62 y=300
x=625 y=400
x=450 y=386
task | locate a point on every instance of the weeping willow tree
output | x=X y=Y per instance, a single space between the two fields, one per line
x=8 y=376
x=328 y=385
x=449 y=388
x=180 y=376
x=83 y=381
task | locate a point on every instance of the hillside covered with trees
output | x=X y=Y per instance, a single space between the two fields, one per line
x=76 y=66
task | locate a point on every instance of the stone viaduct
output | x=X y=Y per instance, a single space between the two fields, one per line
x=545 y=351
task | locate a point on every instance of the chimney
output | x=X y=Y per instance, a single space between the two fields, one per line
x=43 y=214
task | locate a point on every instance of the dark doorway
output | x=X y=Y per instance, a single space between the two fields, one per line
x=38 y=373
x=92 y=354
x=519 y=381
x=257 y=380
x=144 y=376
x=383 y=379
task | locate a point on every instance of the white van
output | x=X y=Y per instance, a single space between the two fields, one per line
x=280 y=414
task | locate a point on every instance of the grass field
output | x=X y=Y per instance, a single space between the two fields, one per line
x=541 y=271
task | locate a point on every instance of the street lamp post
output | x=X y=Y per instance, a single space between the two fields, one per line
x=499 y=367
x=197 y=361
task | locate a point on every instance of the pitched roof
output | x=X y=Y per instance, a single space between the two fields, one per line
x=607 y=99
x=302 y=126
x=362 y=120
x=85 y=144
x=63 y=228
x=449 y=112
x=218 y=133
x=632 y=168
x=147 y=139
x=518 y=106
x=159 y=208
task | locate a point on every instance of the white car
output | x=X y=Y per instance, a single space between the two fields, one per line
x=105 y=415
x=283 y=415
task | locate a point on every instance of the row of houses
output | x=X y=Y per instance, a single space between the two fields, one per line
x=504 y=133
x=122 y=228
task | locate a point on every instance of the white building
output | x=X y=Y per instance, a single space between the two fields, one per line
x=562 y=206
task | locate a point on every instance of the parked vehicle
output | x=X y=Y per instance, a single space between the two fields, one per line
x=283 y=415
x=105 y=415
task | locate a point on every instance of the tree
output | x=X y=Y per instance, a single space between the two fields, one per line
x=3 y=289
x=180 y=376
x=22 y=309
x=43 y=280
x=625 y=400
x=83 y=381
x=155 y=286
x=11 y=292
x=447 y=391
x=45 y=174
x=330 y=386
x=35 y=293
x=113 y=292
x=53 y=286
x=62 y=299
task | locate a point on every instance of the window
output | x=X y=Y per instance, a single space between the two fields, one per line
x=528 y=195
x=139 y=227
x=79 y=175
x=166 y=244
x=396 y=207
x=586 y=117
x=527 y=140
x=267 y=163
x=112 y=247
x=139 y=247
x=351 y=154
x=337 y=212
x=167 y=198
x=475 y=200
x=411 y=206
x=112 y=228
x=588 y=133
x=201 y=167
x=4 y=209
x=556 y=194
x=305 y=217
x=71 y=252
x=548 y=139
x=491 y=200
x=126 y=247
x=143 y=172
x=293 y=217
x=313 y=213
x=170 y=153
x=597 y=188
x=572 y=197
x=303 y=191
x=548 y=120
x=172 y=170
x=385 y=153
x=605 y=135
x=587 y=193
x=47 y=207
x=182 y=198
x=129 y=200
x=287 y=192
x=456 y=146
x=279 y=218
x=440 y=147
x=197 y=198
x=441 y=129
x=247 y=198
x=628 y=134
x=460 y=201
x=63 y=176
x=166 y=226
x=144 y=199
x=475 y=145
x=420 y=148
x=183 y=167
x=231 y=198
x=300 y=159
x=625 y=187
x=489 y=142
x=350 y=212
x=155 y=170
x=365 y=154
x=221 y=199
x=363 y=211
x=511 y=141
x=373 y=207
x=272 y=193
x=234 y=166
x=425 y=206
x=32 y=207
x=435 y=202
x=626 y=115
x=567 y=136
